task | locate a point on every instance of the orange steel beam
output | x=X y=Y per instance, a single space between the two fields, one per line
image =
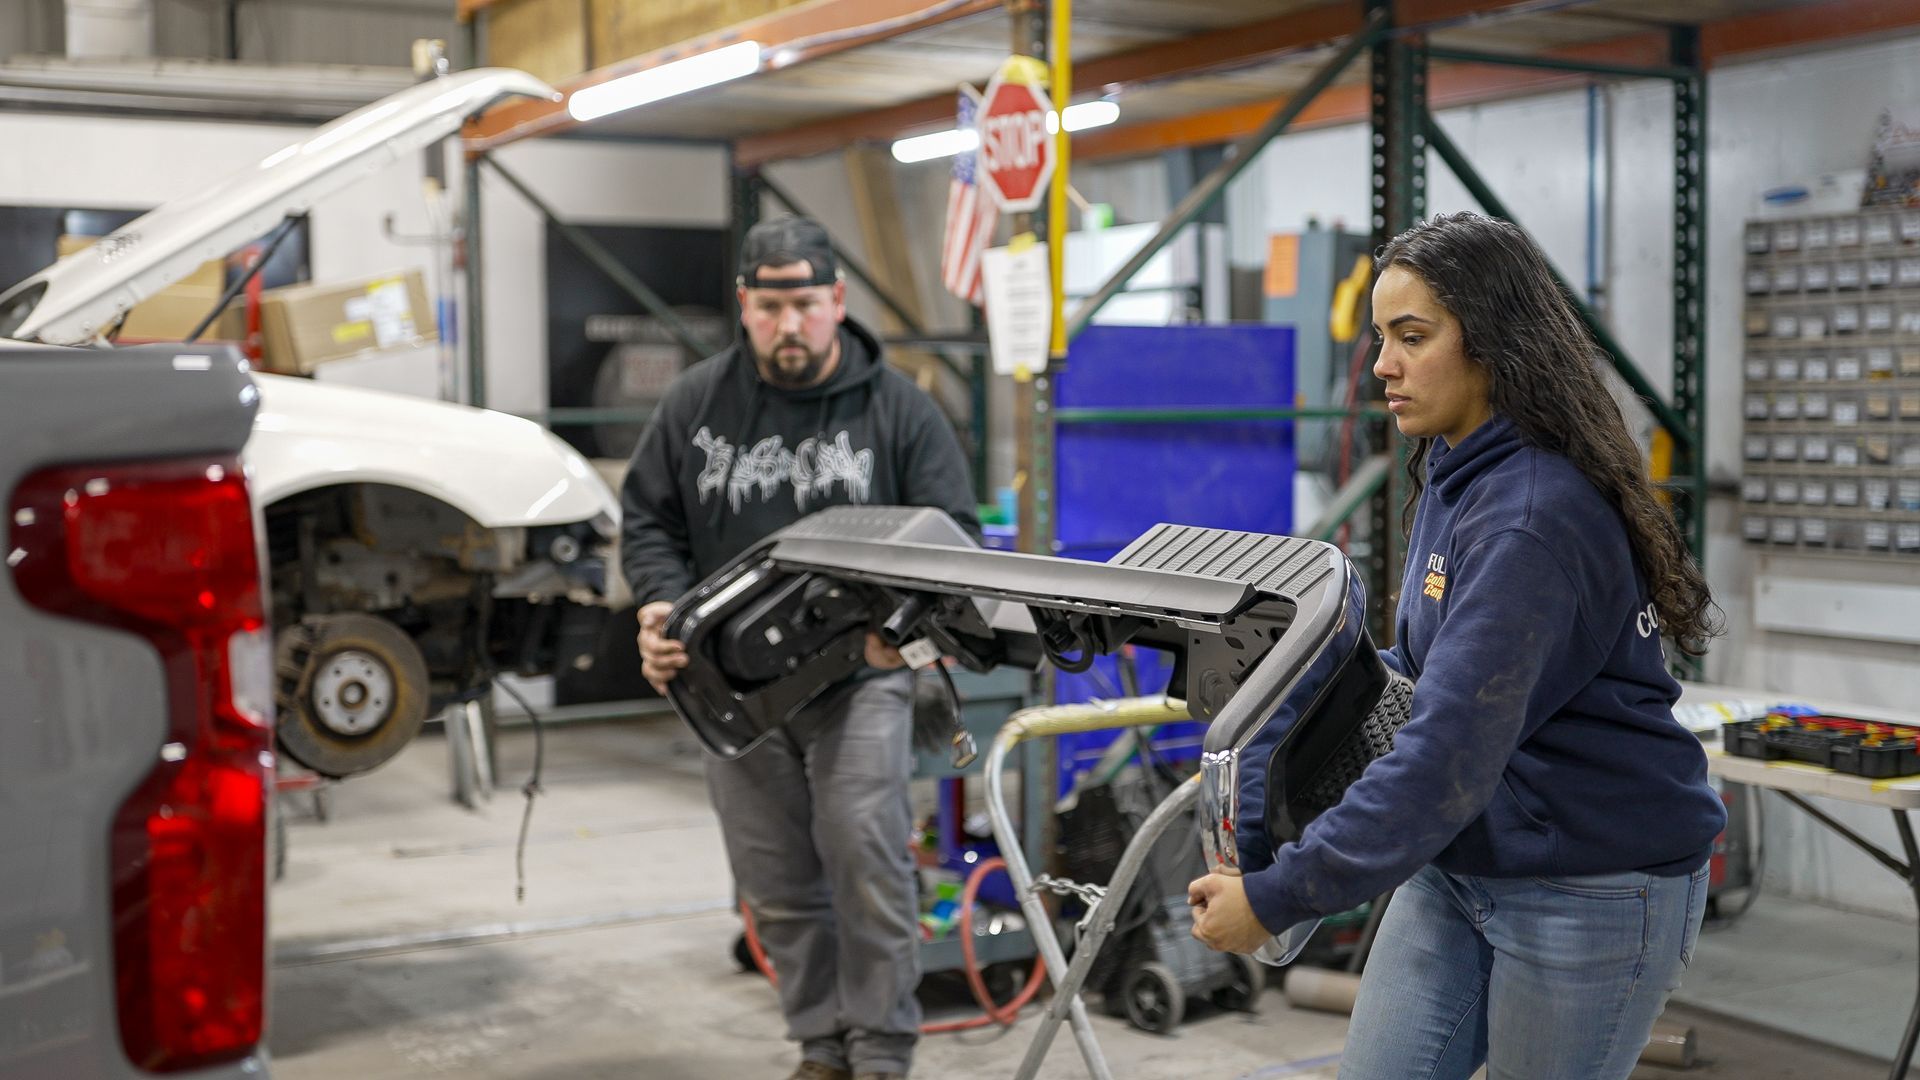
x=1788 y=27
x=1467 y=84
x=1461 y=84
x=1251 y=43
x=789 y=36
x=1233 y=46
x=467 y=9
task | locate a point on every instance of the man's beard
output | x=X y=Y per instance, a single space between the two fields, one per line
x=791 y=364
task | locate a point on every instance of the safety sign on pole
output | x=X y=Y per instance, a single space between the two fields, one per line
x=1019 y=305
x=1016 y=149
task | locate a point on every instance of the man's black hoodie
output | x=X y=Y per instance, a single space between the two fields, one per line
x=729 y=458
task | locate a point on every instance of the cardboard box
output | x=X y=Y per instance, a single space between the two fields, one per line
x=304 y=326
x=626 y=28
x=173 y=312
x=545 y=38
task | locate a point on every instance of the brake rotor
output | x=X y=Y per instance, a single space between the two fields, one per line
x=352 y=692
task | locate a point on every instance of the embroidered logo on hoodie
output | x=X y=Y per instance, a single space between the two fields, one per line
x=812 y=468
x=1436 y=583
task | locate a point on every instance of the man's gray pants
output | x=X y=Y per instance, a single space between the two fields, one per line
x=816 y=820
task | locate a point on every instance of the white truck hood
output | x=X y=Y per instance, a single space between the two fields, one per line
x=499 y=470
x=76 y=299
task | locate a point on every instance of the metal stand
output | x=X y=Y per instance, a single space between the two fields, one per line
x=1103 y=902
x=1905 y=871
x=469 y=753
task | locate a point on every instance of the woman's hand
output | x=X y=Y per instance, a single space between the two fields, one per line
x=1222 y=918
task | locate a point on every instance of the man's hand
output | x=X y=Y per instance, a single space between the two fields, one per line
x=661 y=657
x=882 y=655
x=1222 y=918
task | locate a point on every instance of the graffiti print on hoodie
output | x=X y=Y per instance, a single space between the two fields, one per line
x=812 y=469
x=727 y=458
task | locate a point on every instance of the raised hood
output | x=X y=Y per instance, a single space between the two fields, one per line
x=499 y=470
x=76 y=299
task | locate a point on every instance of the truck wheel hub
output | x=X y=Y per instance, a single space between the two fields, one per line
x=352 y=692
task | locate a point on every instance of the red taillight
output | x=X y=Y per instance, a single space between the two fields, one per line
x=166 y=550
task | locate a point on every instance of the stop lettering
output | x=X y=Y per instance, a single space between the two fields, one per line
x=1016 y=151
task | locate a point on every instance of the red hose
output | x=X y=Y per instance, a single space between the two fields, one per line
x=991 y=1013
x=1004 y=1015
x=753 y=947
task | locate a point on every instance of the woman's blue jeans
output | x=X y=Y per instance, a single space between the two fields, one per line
x=1539 y=978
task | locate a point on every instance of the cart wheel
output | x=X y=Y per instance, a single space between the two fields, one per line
x=1004 y=980
x=742 y=954
x=1243 y=993
x=1155 y=1001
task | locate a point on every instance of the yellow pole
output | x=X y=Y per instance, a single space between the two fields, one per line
x=1057 y=196
x=1043 y=720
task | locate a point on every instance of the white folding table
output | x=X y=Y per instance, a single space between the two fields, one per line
x=1794 y=781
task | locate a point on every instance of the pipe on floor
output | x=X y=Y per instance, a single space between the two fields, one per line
x=1321 y=990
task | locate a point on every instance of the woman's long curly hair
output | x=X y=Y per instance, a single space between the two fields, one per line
x=1518 y=324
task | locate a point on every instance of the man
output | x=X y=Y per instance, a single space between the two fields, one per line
x=801 y=415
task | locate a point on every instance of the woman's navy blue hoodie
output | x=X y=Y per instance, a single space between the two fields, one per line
x=1542 y=741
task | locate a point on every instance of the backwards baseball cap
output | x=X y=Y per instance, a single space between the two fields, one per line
x=784 y=241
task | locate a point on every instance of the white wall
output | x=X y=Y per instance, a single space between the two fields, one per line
x=1532 y=152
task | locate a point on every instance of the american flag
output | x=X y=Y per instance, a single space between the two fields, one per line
x=971 y=215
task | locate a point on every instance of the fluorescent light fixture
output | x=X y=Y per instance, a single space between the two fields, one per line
x=1087 y=114
x=654 y=84
x=937 y=145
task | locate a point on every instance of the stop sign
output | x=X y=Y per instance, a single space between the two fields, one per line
x=1016 y=151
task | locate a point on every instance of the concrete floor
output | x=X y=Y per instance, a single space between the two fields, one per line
x=400 y=950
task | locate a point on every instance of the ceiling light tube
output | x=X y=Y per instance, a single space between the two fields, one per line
x=668 y=80
x=1087 y=114
x=937 y=145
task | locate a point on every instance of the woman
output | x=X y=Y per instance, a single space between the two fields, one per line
x=1547 y=821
